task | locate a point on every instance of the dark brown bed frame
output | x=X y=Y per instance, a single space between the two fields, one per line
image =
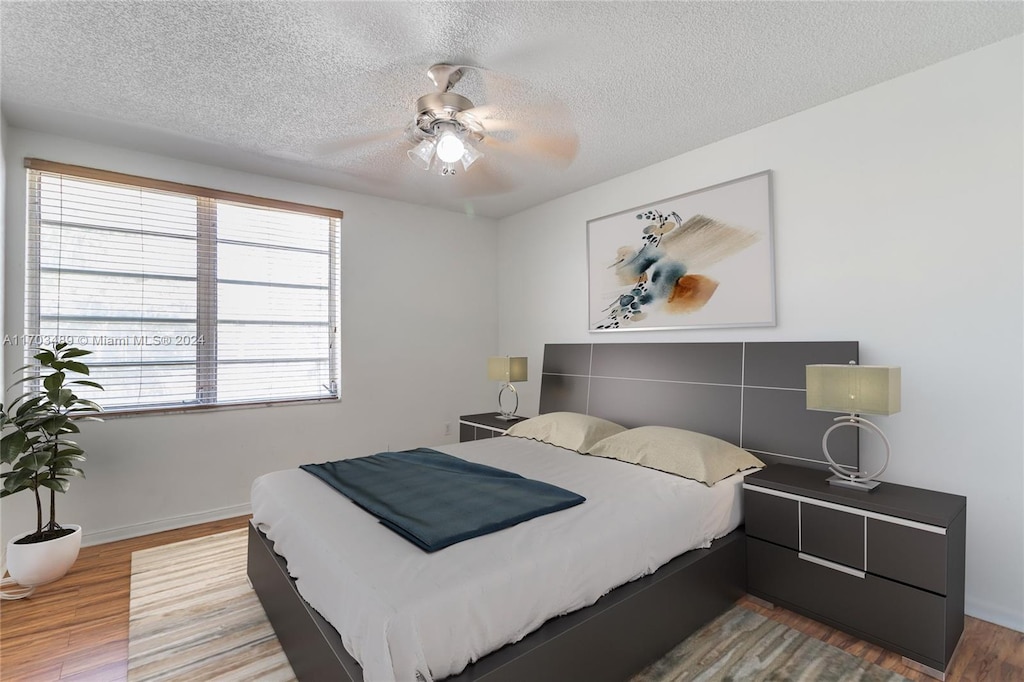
x=751 y=394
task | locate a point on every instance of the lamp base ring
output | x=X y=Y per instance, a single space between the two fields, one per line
x=503 y=413
x=858 y=481
x=842 y=482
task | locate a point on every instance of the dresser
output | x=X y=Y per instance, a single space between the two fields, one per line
x=886 y=566
x=486 y=425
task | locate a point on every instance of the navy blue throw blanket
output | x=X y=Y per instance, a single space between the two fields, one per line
x=435 y=500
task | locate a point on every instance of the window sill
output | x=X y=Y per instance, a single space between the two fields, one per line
x=219 y=407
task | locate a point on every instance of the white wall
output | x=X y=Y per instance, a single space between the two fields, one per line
x=3 y=232
x=898 y=223
x=418 y=320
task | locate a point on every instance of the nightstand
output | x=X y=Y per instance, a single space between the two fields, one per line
x=886 y=566
x=486 y=425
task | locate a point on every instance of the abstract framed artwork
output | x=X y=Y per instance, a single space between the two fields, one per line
x=700 y=259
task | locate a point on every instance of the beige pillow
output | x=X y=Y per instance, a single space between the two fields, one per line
x=568 y=430
x=684 y=453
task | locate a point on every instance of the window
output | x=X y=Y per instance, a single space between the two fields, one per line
x=187 y=297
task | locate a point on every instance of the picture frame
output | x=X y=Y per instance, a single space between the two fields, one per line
x=701 y=259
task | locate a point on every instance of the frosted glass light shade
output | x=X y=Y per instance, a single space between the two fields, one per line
x=470 y=156
x=505 y=368
x=422 y=154
x=449 y=147
x=853 y=389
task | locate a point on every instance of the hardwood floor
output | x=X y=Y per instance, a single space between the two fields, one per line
x=77 y=628
x=986 y=652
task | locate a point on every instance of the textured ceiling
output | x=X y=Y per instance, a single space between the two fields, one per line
x=243 y=84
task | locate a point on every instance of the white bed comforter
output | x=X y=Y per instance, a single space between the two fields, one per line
x=403 y=613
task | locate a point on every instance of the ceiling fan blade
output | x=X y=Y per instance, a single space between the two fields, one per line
x=495 y=118
x=347 y=144
x=496 y=81
x=483 y=178
x=557 y=149
x=542 y=114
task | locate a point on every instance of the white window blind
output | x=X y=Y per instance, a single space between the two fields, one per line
x=187 y=297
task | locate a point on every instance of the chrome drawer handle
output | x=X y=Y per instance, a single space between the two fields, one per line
x=830 y=564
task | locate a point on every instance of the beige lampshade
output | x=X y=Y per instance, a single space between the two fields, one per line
x=854 y=389
x=505 y=368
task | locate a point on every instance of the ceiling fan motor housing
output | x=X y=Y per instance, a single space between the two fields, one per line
x=446 y=107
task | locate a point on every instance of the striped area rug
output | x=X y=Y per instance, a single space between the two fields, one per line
x=194 y=617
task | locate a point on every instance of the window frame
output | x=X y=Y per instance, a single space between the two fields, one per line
x=206 y=281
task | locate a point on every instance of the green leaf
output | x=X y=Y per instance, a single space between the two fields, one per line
x=12 y=445
x=23 y=380
x=24 y=396
x=88 y=404
x=59 y=484
x=60 y=397
x=45 y=357
x=5 y=492
x=70 y=471
x=86 y=382
x=32 y=463
x=29 y=406
x=54 y=424
x=62 y=345
x=65 y=464
x=18 y=479
x=87 y=417
x=79 y=367
x=54 y=381
x=75 y=353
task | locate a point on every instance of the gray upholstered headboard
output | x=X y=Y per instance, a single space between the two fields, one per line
x=750 y=394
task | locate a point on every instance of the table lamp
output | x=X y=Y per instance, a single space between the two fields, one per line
x=506 y=370
x=854 y=389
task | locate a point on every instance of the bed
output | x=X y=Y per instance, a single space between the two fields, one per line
x=749 y=394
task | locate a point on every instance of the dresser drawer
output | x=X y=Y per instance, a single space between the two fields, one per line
x=910 y=555
x=897 y=616
x=832 y=534
x=772 y=518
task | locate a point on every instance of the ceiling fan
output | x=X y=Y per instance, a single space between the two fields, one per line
x=445 y=129
x=448 y=133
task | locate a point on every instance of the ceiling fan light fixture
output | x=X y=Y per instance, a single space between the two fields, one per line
x=470 y=156
x=444 y=147
x=423 y=153
x=450 y=147
x=443 y=168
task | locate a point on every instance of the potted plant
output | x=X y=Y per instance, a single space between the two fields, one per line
x=35 y=426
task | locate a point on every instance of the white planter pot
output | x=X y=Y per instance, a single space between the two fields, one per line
x=43 y=562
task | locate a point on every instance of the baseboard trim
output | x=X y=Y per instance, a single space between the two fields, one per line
x=138 y=529
x=1000 y=615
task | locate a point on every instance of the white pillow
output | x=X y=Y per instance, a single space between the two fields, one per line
x=569 y=430
x=684 y=453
